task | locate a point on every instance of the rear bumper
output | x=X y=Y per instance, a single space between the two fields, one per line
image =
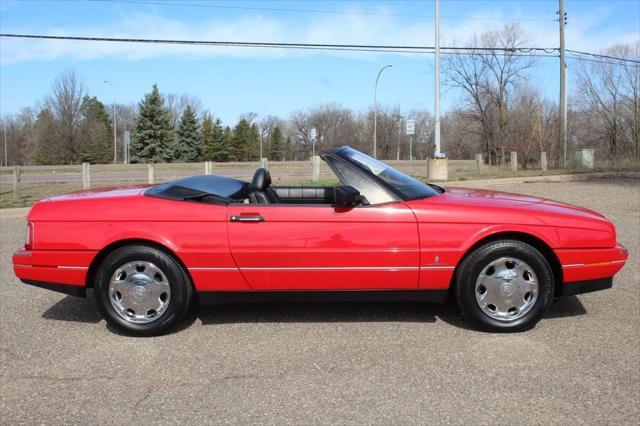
x=72 y=290
x=59 y=270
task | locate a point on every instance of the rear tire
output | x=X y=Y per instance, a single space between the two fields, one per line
x=142 y=291
x=504 y=286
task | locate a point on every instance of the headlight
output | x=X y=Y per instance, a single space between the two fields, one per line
x=28 y=242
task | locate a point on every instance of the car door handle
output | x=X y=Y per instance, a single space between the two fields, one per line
x=256 y=218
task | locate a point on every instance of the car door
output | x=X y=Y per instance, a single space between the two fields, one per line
x=324 y=247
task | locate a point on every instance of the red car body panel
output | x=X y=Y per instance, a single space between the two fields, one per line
x=398 y=246
x=311 y=247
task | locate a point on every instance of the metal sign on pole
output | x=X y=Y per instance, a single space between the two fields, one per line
x=410 y=130
x=410 y=126
x=313 y=134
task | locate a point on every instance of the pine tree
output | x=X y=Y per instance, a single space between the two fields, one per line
x=227 y=141
x=96 y=132
x=154 y=138
x=253 y=149
x=46 y=136
x=188 y=147
x=216 y=146
x=241 y=141
x=275 y=145
x=207 y=138
x=288 y=149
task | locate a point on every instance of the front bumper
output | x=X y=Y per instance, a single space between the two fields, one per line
x=587 y=270
x=580 y=287
x=591 y=264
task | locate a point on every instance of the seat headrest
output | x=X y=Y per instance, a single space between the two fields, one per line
x=261 y=180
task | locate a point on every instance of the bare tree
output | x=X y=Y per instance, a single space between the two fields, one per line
x=177 y=104
x=65 y=105
x=488 y=79
x=608 y=93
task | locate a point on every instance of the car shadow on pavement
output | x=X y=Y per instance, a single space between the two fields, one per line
x=566 y=307
x=306 y=312
x=74 y=309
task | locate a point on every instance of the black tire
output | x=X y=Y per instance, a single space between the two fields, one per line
x=471 y=267
x=179 y=282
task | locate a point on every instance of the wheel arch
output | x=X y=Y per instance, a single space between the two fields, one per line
x=102 y=254
x=536 y=242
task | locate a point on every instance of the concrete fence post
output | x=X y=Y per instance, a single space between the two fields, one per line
x=264 y=163
x=543 y=160
x=514 y=161
x=479 y=163
x=315 y=174
x=437 y=169
x=17 y=176
x=584 y=158
x=208 y=167
x=151 y=173
x=86 y=176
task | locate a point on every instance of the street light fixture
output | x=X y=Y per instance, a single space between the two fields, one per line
x=375 y=112
x=115 y=144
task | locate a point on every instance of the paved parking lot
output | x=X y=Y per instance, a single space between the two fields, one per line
x=331 y=363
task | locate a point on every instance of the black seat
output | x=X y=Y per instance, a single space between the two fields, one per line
x=261 y=193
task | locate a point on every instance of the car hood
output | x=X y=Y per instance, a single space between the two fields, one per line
x=483 y=206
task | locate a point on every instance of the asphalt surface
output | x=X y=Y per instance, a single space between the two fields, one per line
x=331 y=363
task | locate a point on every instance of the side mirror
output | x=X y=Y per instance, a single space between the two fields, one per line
x=347 y=196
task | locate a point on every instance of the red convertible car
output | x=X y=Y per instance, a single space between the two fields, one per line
x=381 y=235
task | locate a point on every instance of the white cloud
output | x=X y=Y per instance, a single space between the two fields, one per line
x=584 y=33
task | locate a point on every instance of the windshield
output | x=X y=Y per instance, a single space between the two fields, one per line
x=408 y=187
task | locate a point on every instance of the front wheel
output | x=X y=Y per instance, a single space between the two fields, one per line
x=142 y=291
x=504 y=285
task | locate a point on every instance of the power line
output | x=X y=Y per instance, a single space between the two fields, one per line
x=598 y=55
x=311 y=11
x=603 y=61
x=451 y=50
x=276 y=44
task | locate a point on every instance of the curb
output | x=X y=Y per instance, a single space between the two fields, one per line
x=578 y=177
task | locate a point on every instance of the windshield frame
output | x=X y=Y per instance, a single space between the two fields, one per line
x=430 y=190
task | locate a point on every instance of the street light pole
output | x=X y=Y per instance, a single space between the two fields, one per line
x=399 y=130
x=115 y=143
x=4 y=125
x=375 y=112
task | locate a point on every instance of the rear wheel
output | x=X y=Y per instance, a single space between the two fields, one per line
x=142 y=290
x=505 y=285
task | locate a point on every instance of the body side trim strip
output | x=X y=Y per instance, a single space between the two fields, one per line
x=324 y=268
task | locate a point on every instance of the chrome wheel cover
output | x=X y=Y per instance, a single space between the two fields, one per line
x=506 y=289
x=139 y=292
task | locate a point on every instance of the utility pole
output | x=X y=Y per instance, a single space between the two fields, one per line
x=375 y=112
x=563 y=85
x=437 y=88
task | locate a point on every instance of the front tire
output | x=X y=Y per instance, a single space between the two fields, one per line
x=142 y=291
x=504 y=286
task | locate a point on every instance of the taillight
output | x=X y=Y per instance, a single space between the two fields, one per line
x=28 y=243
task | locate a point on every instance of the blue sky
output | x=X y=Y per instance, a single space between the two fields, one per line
x=232 y=81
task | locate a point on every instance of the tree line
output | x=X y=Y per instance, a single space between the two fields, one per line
x=501 y=108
